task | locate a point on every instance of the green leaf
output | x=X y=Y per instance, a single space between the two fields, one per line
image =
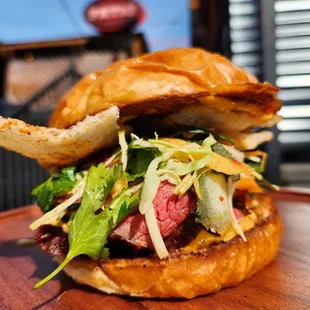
x=123 y=205
x=139 y=160
x=57 y=185
x=133 y=177
x=99 y=184
x=85 y=234
x=89 y=231
x=105 y=252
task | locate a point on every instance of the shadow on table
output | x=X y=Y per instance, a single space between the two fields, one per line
x=65 y=286
x=43 y=266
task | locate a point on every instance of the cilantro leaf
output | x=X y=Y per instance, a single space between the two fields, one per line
x=123 y=205
x=58 y=184
x=139 y=160
x=99 y=184
x=89 y=231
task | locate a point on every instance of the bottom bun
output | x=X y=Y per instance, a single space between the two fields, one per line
x=184 y=274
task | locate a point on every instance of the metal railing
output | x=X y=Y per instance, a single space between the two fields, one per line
x=19 y=175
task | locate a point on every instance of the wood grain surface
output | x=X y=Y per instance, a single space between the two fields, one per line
x=284 y=284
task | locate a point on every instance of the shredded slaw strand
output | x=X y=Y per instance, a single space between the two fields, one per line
x=150 y=186
x=124 y=148
x=155 y=234
x=54 y=213
x=184 y=186
x=171 y=174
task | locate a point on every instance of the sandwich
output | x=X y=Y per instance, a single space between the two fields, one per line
x=156 y=185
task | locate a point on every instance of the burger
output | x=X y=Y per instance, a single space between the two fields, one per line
x=156 y=186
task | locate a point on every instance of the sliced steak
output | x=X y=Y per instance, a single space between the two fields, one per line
x=170 y=213
x=238 y=214
x=52 y=240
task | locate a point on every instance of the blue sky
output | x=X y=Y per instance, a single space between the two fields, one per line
x=167 y=23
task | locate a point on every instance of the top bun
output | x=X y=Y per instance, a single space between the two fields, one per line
x=158 y=83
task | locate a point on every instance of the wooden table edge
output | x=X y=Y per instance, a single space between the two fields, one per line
x=20 y=210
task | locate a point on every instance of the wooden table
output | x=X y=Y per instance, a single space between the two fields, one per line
x=284 y=284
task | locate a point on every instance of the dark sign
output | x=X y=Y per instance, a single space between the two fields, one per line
x=114 y=15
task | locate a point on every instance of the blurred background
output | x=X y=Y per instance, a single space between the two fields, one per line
x=47 y=46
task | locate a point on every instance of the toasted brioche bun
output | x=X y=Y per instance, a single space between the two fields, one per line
x=163 y=91
x=162 y=83
x=186 y=274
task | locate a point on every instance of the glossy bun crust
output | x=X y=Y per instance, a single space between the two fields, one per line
x=186 y=274
x=161 y=83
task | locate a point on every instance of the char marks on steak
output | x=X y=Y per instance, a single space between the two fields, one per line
x=239 y=199
x=52 y=240
x=170 y=213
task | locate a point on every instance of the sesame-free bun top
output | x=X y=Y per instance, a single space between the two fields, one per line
x=161 y=83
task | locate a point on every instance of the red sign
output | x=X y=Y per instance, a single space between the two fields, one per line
x=114 y=15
